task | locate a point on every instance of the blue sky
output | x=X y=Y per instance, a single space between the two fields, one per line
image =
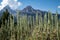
x=43 y=5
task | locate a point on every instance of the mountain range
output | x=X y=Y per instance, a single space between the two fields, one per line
x=27 y=10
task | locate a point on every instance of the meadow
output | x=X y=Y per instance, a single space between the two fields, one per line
x=45 y=27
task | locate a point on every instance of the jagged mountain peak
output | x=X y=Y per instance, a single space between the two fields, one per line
x=9 y=10
x=7 y=7
x=28 y=9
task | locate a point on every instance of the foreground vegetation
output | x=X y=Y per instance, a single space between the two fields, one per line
x=31 y=28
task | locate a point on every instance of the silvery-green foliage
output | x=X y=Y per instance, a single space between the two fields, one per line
x=56 y=24
x=31 y=28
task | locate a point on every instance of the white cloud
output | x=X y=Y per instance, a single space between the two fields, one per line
x=13 y=4
x=58 y=6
